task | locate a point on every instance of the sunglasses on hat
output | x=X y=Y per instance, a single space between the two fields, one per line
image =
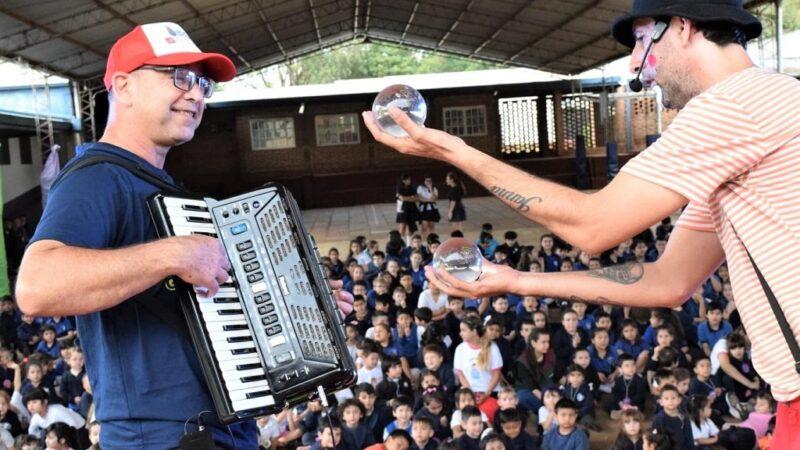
x=185 y=79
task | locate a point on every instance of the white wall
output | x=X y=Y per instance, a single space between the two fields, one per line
x=19 y=178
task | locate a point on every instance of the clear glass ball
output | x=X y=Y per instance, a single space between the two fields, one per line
x=460 y=258
x=401 y=96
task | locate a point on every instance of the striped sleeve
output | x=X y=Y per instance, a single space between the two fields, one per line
x=697 y=217
x=711 y=141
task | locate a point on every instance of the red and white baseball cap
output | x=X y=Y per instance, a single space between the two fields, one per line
x=163 y=44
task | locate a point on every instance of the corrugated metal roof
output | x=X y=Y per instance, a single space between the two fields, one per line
x=72 y=38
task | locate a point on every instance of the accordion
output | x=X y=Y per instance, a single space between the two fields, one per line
x=272 y=335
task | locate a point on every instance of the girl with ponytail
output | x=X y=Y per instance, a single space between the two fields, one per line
x=478 y=364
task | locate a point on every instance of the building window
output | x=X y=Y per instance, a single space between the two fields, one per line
x=465 y=120
x=337 y=129
x=25 y=154
x=272 y=133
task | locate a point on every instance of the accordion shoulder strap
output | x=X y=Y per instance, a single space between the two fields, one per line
x=151 y=299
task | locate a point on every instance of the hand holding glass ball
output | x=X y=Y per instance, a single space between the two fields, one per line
x=406 y=99
x=460 y=258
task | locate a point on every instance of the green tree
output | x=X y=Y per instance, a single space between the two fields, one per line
x=371 y=61
x=791 y=17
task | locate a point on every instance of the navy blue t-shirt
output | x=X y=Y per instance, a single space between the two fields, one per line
x=145 y=375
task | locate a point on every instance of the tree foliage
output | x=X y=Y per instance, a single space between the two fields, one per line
x=372 y=61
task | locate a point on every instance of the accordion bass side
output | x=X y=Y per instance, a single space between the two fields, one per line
x=272 y=335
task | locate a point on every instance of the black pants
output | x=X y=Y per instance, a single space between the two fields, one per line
x=736 y=438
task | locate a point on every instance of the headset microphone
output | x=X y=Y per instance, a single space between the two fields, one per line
x=636 y=84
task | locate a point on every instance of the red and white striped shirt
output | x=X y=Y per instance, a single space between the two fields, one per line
x=734 y=152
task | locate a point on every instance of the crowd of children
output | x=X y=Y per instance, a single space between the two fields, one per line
x=45 y=397
x=439 y=372
x=510 y=372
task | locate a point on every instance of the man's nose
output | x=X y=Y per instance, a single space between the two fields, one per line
x=636 y=58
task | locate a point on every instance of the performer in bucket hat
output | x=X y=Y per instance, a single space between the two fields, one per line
x=729 y=157
x=95 y=255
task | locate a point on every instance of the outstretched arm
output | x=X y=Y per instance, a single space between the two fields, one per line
x=688 y=260
x=593 y=222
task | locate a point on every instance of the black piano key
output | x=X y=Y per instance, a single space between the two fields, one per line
x=234 y=327
x=193 y=219
x=248 y=366
x=240 y=339
x=205 y=234
x=243 y=351
x=257 y=394
x=253 y=378
x=229 y=312
x=193 y=208
x=226 y=300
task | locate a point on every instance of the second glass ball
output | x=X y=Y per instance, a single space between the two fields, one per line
x=460 y=258
x=407 y=99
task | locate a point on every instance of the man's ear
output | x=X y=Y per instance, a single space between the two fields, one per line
x=686 y=30
x=122 y=85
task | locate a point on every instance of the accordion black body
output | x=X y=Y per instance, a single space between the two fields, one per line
x=272 y=335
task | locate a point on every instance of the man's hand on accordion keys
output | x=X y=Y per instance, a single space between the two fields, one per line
x=201 y=261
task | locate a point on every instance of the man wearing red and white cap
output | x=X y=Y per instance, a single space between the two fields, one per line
x=95 y=250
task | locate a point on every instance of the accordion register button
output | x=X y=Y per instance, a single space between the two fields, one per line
x=247 y=256
x=273 y=330
x=246 y=245
x=277 y=340
x=283 y=358
x=253 y=277
x=238 y=228
x=259 y=288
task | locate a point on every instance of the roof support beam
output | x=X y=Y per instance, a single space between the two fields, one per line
x=316 y=22
x=100 y=4
x=455 y=23
x=216 y=31
x=270 y=30
x=410 y=19
x=511 y=18
x=558 y=26
x=587 y=43
x=67 y=38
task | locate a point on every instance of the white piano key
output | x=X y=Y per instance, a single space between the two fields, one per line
x=219 y=326
x=253 y=403
x=217 y=307
x=231 y=365
x=183 y=222
x=224 y=335
x=171 y=202
x=179 y=212
x=249 y=386
x=214 y=317
x=237 y=374
x=223 y=345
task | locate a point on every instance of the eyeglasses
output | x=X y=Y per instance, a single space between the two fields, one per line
x=184 y=79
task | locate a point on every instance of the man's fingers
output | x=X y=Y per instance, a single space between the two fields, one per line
x=222 y=276
x=405 y=122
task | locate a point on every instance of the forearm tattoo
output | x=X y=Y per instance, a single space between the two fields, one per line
x=512 y=197
x=628 y=273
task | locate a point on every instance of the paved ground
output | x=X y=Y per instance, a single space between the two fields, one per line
x=334 y=227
